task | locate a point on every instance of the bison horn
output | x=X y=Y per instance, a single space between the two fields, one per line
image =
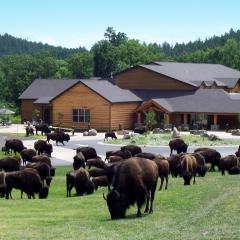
x=104 y=197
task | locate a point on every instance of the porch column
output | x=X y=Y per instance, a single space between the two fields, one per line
x=138 y=117
x=215 y=118
x=185 y=118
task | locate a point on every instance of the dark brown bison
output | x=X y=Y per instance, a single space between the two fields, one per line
x=43 y=128
x=96 y=162
x=135 y=181
x=101 y=181
x=211 y=156
x=174 y=164
x=83 y=184
x=45 y=159
x=88 y=152
x=113 y=159
x=78 y=161
x=70 y=181
x=188 y=168
x=43 y=169
x=123 y=154
x=27 y=155
x=228 y=162
x=27 y=181
x=237 y=153
x=58 y=137
x=96 y=172
x=110 y=135
x=201 y=165
x=29 y=130
x=140 y=129
x=133 y=149
x=42 y=146
x=163 y=171
x=9 y=164
x=15 y=145
x=179 y=145
x=145 y=155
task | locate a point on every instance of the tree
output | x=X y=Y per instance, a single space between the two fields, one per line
x=115 y=38
x=150 y=119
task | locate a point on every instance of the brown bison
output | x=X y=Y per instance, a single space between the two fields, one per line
x=27 y=155
x=88 y=152
x=110 y=135
x=188 y=168
x=15 y=145
x=145 y=155
x=163 y=171
x=101 y=181
x=135 y=181
x=179 y=145
x=27 y=181
x=211 y=156
x=228 y=162
x=133 y=149
x=58 y=137
x=113 y=159
x=43 y=128
x=78 y=161
x=174 y=164
x=9 y=164
x=201 y=165
x=42 y=146
x=96 y=162
x=124 y=154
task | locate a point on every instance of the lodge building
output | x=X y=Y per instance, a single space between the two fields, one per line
x=191 y=94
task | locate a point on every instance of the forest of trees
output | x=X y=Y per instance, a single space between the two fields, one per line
x=22 y=61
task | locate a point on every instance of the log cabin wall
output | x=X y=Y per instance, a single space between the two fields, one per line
x=80 y=96
x=140 y=78
x=124 y=114
x=27 y=108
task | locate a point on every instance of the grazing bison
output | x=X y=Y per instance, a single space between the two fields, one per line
x=133 y=149
x=163 y=170
x=9 y=164
x=135 y=181
x=234 y=170
x=43 y=169
x=43 y=128
x=140 y=130
x=228 y=162
x=188 y=168
x=88 y=152
x=211 y=156
x=201 y=165
x=110 y=135
x=27 y=155
x=96 y=172
x=78 y=161
x=27 y=181
x=96 y=162
x=179 y=145
x=124 y=154
x=174 y=164
x=42 y=146
x=15 y=145
x=70 y=181
x=45 y=159
x=58 y=137
x=101 y=181
x=145 y=155
x=83 y=184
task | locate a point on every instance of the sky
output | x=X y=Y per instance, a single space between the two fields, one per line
x=74 y=23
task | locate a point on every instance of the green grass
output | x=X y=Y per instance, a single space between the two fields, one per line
x=207 y=210
x=22 y=136
x=163 y=139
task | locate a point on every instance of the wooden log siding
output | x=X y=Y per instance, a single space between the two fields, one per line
x=124 y=114
x=140 y=78
x=80 y=96
x=27 y=107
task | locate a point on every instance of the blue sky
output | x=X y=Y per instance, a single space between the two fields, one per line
x=73 y=23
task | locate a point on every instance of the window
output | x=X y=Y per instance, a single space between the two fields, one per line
x=81 y=115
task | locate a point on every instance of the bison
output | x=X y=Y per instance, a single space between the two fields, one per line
x=15 y=145
x=58 y=137
x=43 y=128
x=42 y=146
x=27 y=155
x=110 y=135
x=78 y=161
x=188 y=168
x=145 y=155
x=135 y=181
x=179 y=145
x=9 y=164
x=133 y=149
x=201 y=165
x=101 y=181
x=174 y=164
x=88 y=152
x=124 y=154
x=163 y=170
x=96 y=162
x=228 y=162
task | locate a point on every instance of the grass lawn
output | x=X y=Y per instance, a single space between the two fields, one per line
x=22 y=136
x=208 y=210
x=163 y=139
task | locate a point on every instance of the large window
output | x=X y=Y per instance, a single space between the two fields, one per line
x=81 y=115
